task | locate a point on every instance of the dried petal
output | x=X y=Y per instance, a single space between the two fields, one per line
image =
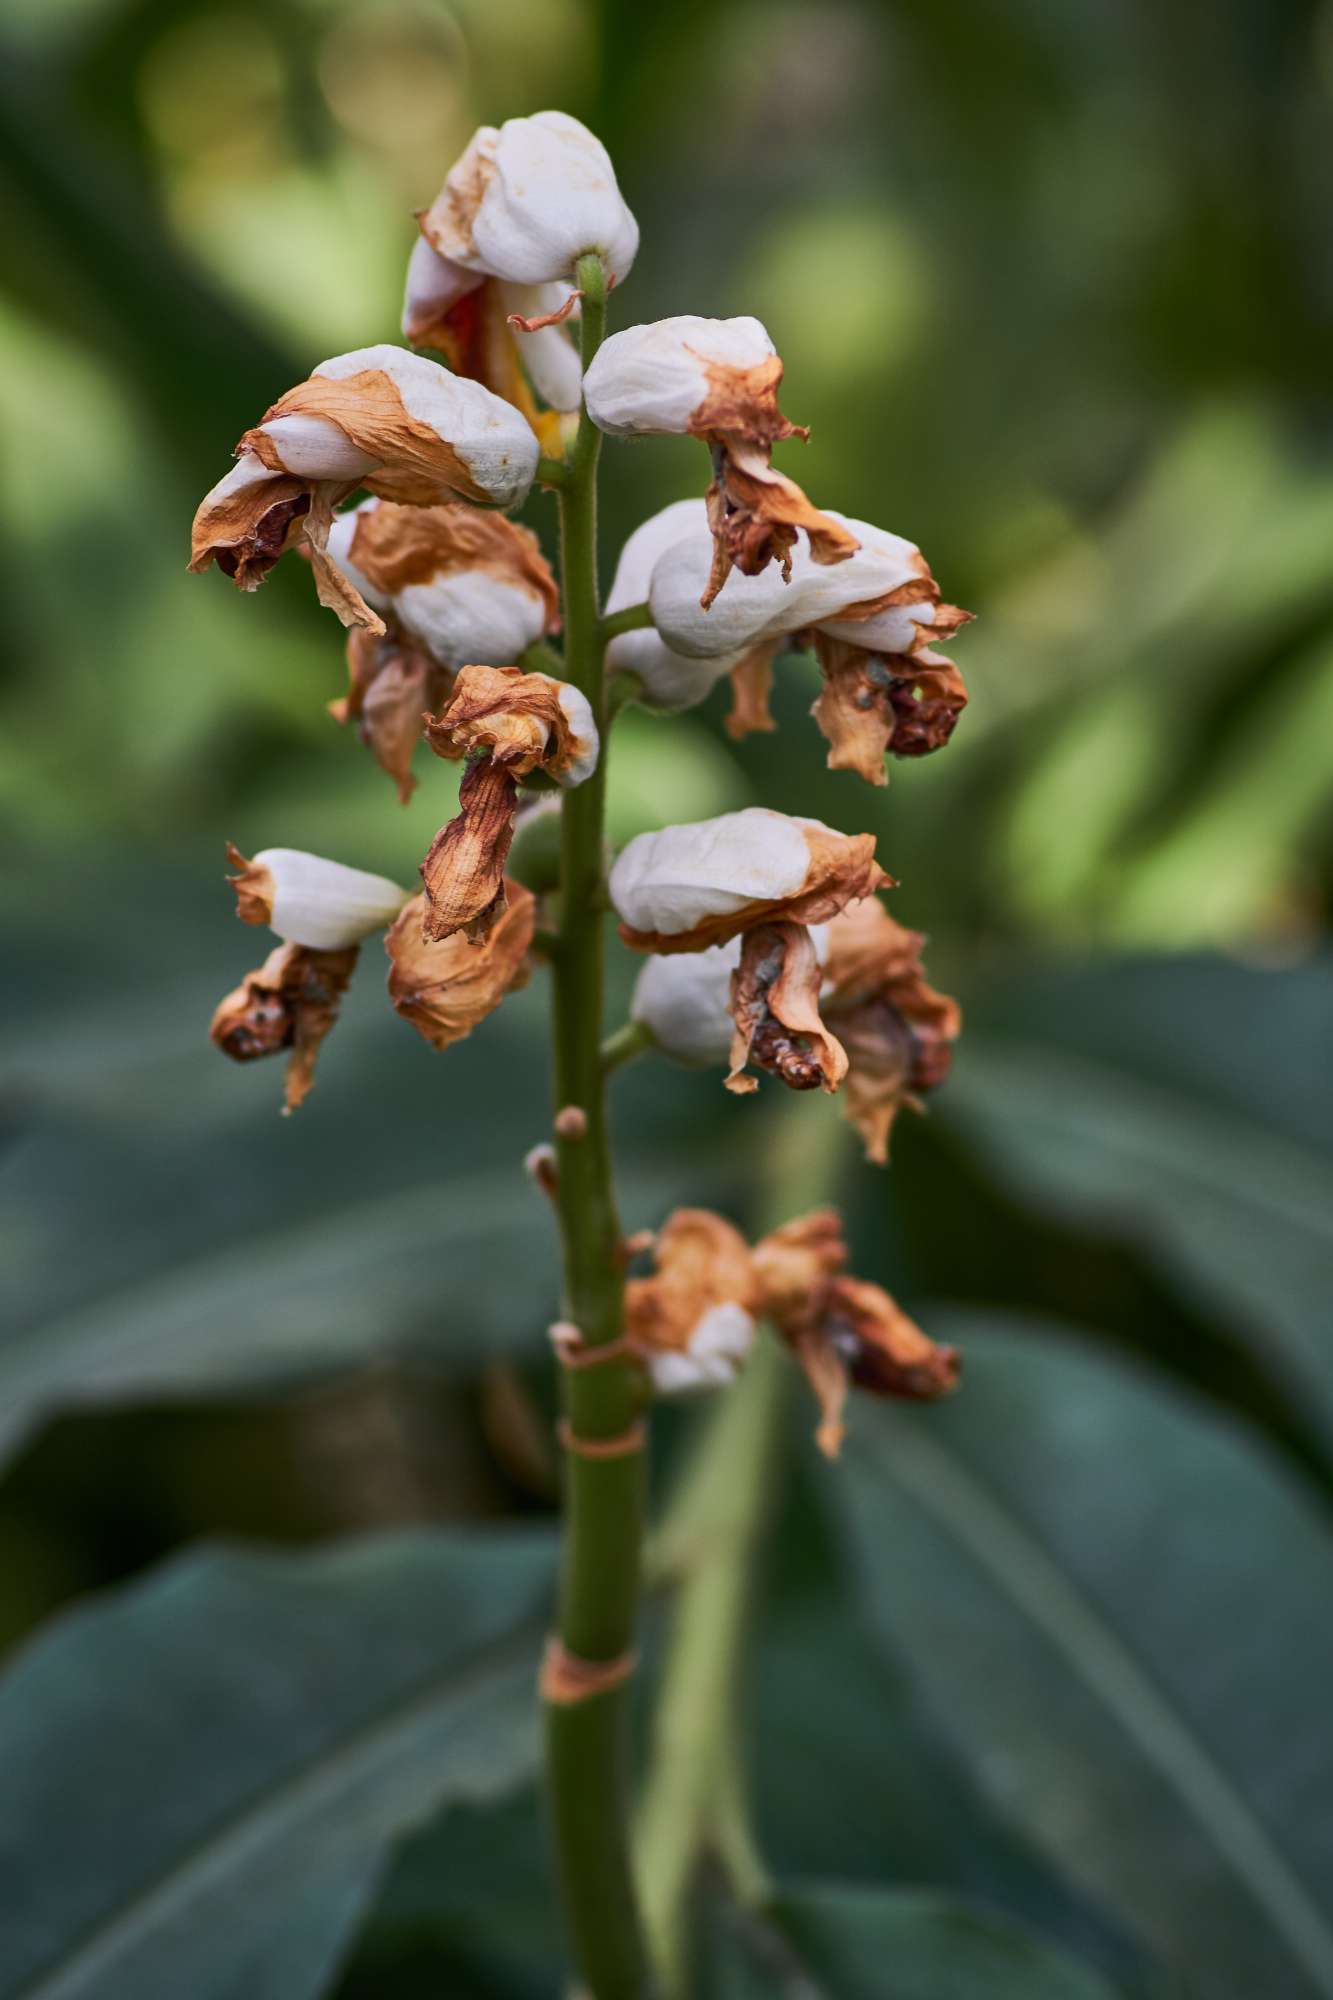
x=309 y=901
x=464 y=869
x=693 y=1320
x=409 y=556
x=793 y=1264
x=754 y=512
x=525 y=721
x=751 y=691
x=874 y=705
x=687 y=887
x=445 y=988
x=291 y=1002
x=897 y=1030
x=775 y=1005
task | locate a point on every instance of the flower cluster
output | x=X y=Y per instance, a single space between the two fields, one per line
x=768 y=950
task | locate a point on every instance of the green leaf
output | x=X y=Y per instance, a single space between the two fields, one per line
x=205 y=1772
x=837 y=1942
x=1184 y=1107
x=1117 y=1608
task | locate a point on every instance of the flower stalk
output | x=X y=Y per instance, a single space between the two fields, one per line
x=587 y=1739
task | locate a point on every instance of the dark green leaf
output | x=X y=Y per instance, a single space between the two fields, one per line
x=204 y=1774
x=1118 y=1609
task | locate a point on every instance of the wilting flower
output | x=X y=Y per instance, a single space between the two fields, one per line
x=775 y=1005
x=872 y=621
x=453 y=584
x=898 y=1032
x=684 y=1001
x=445 y=988
x=511 y=724
x=844 y=1332
x=669 y=680
x=687 y=887
x=693 y=1321
x=321 y=911
x=500 y=243
x=381 y=418
x=717 y=380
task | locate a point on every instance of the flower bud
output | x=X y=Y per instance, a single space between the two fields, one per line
x=670 y=680
x=716 y=379
x=526 y=201
x=686 y=887
x=444 y=989
x=291 y=1002
x=520 y=723
x=308 y=901
x=380 y=418
x=693 y=1322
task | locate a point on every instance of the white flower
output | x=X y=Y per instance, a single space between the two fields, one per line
x=717 y=1350
x=467 y=317
x=526 y=201
x=306 y=900
x=687 y=887
x=683 y=376
x=670 y=680
x=684 y=1000
x=378 y=417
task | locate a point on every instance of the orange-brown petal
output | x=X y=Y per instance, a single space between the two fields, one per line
x=754 y=512
x=395 y=546
x=517 y=717
x=445 y=988
x=290 y=1002
x=702 y=1261
x=751 y=691
x=463 y=872
x=775 y=1006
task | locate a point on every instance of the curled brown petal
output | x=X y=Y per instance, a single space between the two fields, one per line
x=291 y=1002
x=445 y=988
x=754 y=512
x=464 y=871
x=751 y=691
x=556 y=318
x=515 y=716
x=876 y=705
x=775 y=1006
x=702 y=1261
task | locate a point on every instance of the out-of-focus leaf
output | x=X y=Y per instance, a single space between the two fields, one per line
x=1184 y=1107
x=204 y=1774
x=837 y=1942
x=1118 y=1609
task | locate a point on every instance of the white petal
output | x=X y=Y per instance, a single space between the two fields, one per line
x=718 y=1347
x=682 y=1000
x=249 y=470
x=324 y=906
x=469 y=618
x=579 y=715
x=495 y=442
x=670 y=680
x=671 y=880
x=653 y=378
x=340 y=549
x=434 y=284
x=313 y=448
x=550 y=196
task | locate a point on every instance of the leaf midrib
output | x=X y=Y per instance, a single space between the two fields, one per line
x=980 y=1521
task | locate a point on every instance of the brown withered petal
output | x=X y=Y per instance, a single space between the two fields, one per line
x=291 y=1002
x=742 y=402
x=396 y=546
x=793 y=1263
x=775 y=1006
x=702 y=1262
x=392 y=684
x=464 y=871
x=898 y=1031
x=751 y=692
x=444 y=989
x=884 y=1349
x=877 y=705
x=515 y=716
x=254 y=888
x=754 y=512
x=245 y=533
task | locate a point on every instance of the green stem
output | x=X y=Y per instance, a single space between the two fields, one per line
x=632 y=619
x=587 y=1744
x=629 y=1041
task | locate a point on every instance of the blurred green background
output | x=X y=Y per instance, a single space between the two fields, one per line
x=1053 y=285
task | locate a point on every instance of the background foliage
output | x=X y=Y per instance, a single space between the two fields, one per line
x=1039 y=1684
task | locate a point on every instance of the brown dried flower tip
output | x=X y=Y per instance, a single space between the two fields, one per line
x=291 y=1002
x=392 y=685
x=898 y=1032
x=513 y=723
x=775 y=1006
x=843 y=1331
x=879 y=704
x=444 y=989
x=717 y=380
x=693 y=1321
